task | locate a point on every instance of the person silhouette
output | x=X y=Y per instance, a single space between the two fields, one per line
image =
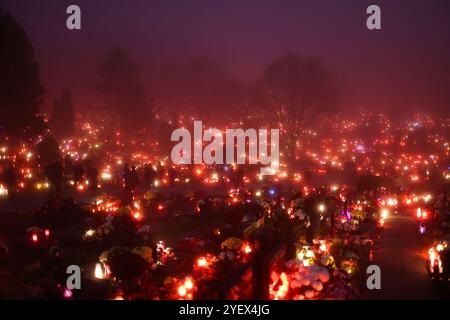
x=128 y=189
x=92 y=176
x=10 y=179
x=78 y=173
x=55 y=172
x=149 y=175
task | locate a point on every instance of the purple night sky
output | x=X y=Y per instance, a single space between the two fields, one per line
x=402 y=67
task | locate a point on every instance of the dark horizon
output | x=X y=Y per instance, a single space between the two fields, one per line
x=402 y=68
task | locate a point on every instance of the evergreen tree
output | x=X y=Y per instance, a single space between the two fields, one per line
x=63 y=116
x=120 y=82
x=20 y=87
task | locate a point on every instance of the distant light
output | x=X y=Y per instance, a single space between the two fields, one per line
x=182 y=291
x=68 y=293
x=384 y=214
x=106 y=175
x=98 y=272
x=188 y=284
x=201 y=262
x=137 y=215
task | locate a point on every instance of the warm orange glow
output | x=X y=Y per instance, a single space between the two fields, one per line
x=279 y=287
x=202 y=262
x=182 y=291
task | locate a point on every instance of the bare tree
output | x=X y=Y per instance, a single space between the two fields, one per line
x=63 y=116
x=121 y=83
x=21 y=91
x=199 y=84
x=298 y=90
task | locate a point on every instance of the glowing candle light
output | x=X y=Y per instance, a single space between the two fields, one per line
x=182 y=291
x=68 y=293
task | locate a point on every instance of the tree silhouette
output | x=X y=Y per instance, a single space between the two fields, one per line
x=298 y=90
x=199 y=84
x=120 y=82
x=48 y=150
x=20 y=87
x=371 y=182
x=63 y=116
x=165 y=145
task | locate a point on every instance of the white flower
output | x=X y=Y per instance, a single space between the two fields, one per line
x=310 y=294
x=296 y=284
x=323 y=275
x=317 y=285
